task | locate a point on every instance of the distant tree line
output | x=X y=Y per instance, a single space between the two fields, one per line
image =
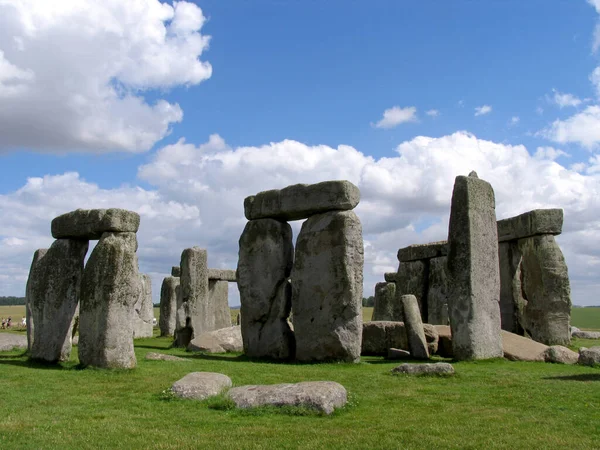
x=6 y=301
x=369 y=301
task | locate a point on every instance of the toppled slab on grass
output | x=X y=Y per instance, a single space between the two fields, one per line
x=586 y=334
x=162 y=357
x=424 y=369
x=10 y=341
x=201 y=385
x=322 y=396
x=560 y=355
x=520 y=348
x=589 y=356
x=218 y=341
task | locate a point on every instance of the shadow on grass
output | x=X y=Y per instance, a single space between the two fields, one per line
x=580 y=377
x=154 y=347
x=32 y=364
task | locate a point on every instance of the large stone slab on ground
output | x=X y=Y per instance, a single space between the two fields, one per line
x=151 y=356
x=301 y=201
x=386 y=307
x=532 y=223
x=266 y=255
x=10 y=341
x=586 y=334
x=473 y=271
x=412 y=279
x=91 y=223
x=143 y=309
x=379 y=336
x=54 y=291
x=589 y=356
x=218 y=298
x=424 y=369
x=520 y=348
x=437 y=292
x=417 y=343
x=327 y=288
x=37 y=256
x=561 y=355
x=109 y=288
x=201 y=385
x=218 y=341
x=423 y=251
x=168 y=306
x=222 y=274
x=323 y=396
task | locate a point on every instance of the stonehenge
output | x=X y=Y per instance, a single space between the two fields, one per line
x=320 y=280
x=143 y=309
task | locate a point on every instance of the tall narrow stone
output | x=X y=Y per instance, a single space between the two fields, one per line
x=437 y=292
x=197 y=316
x=109 y=289
x=327 y=288
x=473 y=271
x=37 y=256
x=265 y=260
x=168 y=306
x=386 y=307
x=417 y=343
x=412 y=279
x=54 y=293
x=512 y=302
x=143 y=309
x=218 y=292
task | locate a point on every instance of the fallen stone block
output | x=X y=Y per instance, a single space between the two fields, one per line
x=91 y=223
x=520 y=348
x=151 y=356
x=424 y=369
x=218 y=341
x=586 y=334
x=201 y=385
x=561 y=355
x=414 y=327
x=589 y=356
x=9 y=341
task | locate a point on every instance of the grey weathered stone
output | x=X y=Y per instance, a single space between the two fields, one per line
x=327 y=288
x=589 y=356
x=54 y=290
x=386 y=307
x=424 y=369
x=586 y=334
x=196 y=316
x=91 y=223
x=546 y=287
x=218 y=294
x=414 y=327
x=412 y=278
x=201 y=385
x=151 y=356
x=531 y=223
x=266 y=255
x=10 y=341
x=573 y=329
x=176 y=271
x=512 y=302
x=218 y=341
x=520 y=348
x=301 y=201
x=423 y=251
x=444 y=341
x=143 y=309
x=37 y=256
x=431 y=337
x=109 y=289
x=397 y=353
x=379 y=336
x=561 y=355
x=390 y=277
x=168 y=306
x=323 y=396
x=473 y=271
x=437 y=292
x=222 y=274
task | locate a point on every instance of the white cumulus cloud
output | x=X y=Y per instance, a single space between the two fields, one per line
x=564 y=100
x=582 y=128
x=483 y=110
x=395 y=116
x=433 y=113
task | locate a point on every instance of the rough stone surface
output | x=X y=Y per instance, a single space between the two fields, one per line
x=520 y=348
x=168 y=306
x=194 y=313
x=222 y=274
x=532 y=223
x=151 y=356
x=397 y=353
x=386 y=307
x=218 y=341
x=10 y=341
x=201 y=385
x=424 y=369
x=37 y=256
x=412 y=278
x=92 y=223
x=218 y=298
x=379 y=336
x=586 y=334
x=143 y=309
x=561 y=355
x=390 y=277
x=546 y=288
x=473 y=271
x=109 y=289
x=414 y=327
x=266 y=255
x=432 y=338
x=301 y=201
x=589 y=356
x=574 y=330
x=512 y=302
x=327 y=288
x=323 y=396
x=437 y=292
x=423 y=251
x=444 y=341
x=54 y=291
x=176 y=271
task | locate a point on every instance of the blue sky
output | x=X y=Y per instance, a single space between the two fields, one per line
x=310 y=77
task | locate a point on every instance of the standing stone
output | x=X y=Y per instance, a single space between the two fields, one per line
x=414 y=327
x=37 y=256
x=218 y=293
x=512 y=302
x=265 y=262
x=412 y=279
x=327 y=288
x=437 y=292
x=92 y=223
x=143 y=309
x=546 y=289
x=176 y=271
x=109 y=289
x=386 y=307
x=54 y=293
x=473 y=271
x=195 y=315
x=168 y=306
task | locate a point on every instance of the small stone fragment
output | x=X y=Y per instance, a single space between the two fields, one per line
x=151 y=356
x=201 y=385
x=589 y=356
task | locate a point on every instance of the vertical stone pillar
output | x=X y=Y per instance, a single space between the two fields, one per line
x=473 y=271
x=327 y=288
x=53 y=294
x=264 y=265
x=511 y=298
x=143 y=309
x=417 y=343
x=437 y=292
x=37 y=256
x=412 y=279
x=109 y=289
x=386 y=307
x=218 y=293
x=168 y=306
